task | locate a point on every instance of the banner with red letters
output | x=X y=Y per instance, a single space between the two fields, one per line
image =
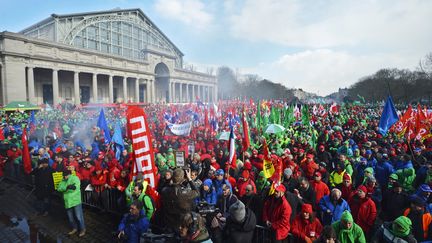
x=139 y=132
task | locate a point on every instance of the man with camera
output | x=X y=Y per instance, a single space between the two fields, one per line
x=177 y=200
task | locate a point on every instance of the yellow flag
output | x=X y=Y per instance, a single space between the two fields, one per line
x=268 y=168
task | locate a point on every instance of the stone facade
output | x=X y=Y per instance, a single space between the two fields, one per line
x=43 y=69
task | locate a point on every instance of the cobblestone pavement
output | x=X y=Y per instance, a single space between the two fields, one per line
x=20 y=223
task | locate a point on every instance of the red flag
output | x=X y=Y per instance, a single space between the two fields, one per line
x=206 y=119
x=1 y=134
x=420 y=118
x=401 y=125
x=246 y=141
x=140 y=135
x=25 y=152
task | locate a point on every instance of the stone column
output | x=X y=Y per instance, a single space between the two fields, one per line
x=187 y=93
x=31 y=85
x=148 y=91
x=208 y=94
x=125 y=97
x=77 y=88
x=215 y=96
x=95 y=88
x=110 y=89
x=55 y=86
x=170 y=91
x=153 y=97
x=193 y=92
x=137 y=100
x=173 y=92
x=181 y=92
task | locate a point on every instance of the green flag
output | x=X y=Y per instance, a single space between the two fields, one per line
x=305 y=115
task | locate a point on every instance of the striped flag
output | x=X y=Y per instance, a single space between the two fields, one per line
x=232 y=152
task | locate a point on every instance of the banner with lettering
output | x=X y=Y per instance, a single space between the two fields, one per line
x=180 y=129
x=139 y=132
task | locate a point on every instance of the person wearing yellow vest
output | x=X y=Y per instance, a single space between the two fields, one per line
x=130 y=188
x=336 y=177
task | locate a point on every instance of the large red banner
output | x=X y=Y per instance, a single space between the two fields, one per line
x=140 y=135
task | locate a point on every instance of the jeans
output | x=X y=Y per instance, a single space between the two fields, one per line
x=76 y=212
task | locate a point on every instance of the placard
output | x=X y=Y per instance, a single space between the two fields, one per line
x=179 y=157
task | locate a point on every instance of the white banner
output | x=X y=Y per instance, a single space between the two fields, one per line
x=180 y=129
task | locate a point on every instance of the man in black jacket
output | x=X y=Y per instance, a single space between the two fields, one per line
x=44 y=186
x=240 y=224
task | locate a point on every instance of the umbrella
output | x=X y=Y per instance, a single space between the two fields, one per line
x=223 y=136
x=274 y=128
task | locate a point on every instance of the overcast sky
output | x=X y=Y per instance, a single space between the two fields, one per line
x=315 y=45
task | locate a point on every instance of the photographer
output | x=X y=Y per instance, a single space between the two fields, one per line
x=192 y=229
x=133 y=224
x=177 y=200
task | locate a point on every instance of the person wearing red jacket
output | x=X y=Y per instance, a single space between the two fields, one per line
x=306 y=227
x=363 y=210
x=309 y=166
x=242 y=182
x=276 y=215
x=12 y=157
x=347 y=188
x=256 y=160
x=321 y=189
x=99 y=182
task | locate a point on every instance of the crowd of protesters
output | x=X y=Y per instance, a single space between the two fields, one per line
x=339 y=179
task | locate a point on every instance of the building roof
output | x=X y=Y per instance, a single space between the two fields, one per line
x=115 y=10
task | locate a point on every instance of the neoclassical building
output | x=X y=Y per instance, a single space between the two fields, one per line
x=97 y=57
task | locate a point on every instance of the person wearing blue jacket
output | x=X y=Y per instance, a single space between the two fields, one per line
x=383 y=170
x=219 y=181
x=208 y=192
x=332 y=206
x=133 y=224
x=371 y=161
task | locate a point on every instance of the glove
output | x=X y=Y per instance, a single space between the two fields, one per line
x=71 y=187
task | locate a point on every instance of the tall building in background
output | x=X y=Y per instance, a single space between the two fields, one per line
x=97 y=57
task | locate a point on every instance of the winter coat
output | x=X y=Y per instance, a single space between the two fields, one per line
x=336 y=178
x=406 y=178
x=382 y=172
x=218 y=185
x=384 y=235
x=208 y=196
x=71 y=197
x=394 y=204
x=353 y=235
x=241 y=186
x=364 y=212
x=224 y=203
x=240 y=232
x=321 y=189
x=309 y=196
x=134 y=227
x=295 y=203
x=335 y=210
x=302 y=228
x=421 y=224
x=254 y=203
x=176 y=201
x=278 y=211
x=44 y=184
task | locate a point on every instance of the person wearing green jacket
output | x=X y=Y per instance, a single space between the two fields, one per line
x=347 y=231
x=70 y=187
x=140 y=195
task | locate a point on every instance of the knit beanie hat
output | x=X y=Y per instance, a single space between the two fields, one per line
x=178 y=176
x=287 y=172
x=401 y=226
x=362 y=188
x=369 y=170
x=394 y=176
x=306 y=208
x=237 y=211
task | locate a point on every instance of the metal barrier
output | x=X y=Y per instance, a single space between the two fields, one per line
x=262 y=234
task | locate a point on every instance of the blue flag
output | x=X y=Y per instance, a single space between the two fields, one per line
x=117 y=139
x=388 y=117
x=102 y=124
